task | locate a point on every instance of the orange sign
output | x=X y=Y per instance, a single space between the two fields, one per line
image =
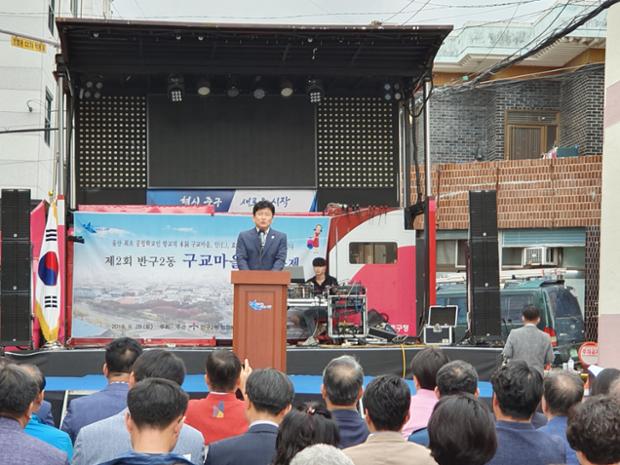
x=28 y=44
x=588 y=353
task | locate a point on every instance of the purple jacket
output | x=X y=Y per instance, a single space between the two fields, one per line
x=16 y=447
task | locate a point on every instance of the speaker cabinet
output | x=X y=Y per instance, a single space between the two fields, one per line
x=483 y=266
x=15 y=282
x=15 y=215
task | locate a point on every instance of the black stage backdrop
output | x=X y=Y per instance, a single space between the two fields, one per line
x=231 y=142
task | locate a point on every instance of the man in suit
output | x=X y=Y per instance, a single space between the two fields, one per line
x=108 y=439
x=457 y=377
x=220 y=415
x=18 y=390
x=36 y=428
x=530 y=343
x=268 y=396
x=517 y=391
x=120 y=355
x=562 y=392
x=261 y=248
x=593 y=431
x=154 y=420
x=386 y=405
x=343 y=379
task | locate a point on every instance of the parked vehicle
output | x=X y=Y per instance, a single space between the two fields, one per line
x=561 y=316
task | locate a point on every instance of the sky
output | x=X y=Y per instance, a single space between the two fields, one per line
x=398 y=12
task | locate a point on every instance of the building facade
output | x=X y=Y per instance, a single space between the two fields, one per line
x=28 y=88
x=492 y=136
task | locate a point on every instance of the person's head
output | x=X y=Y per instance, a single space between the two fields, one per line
x=320 y=266
x=318 y=229
x=343 y=378
x=425 y=365
x=531 y=314
x=18 y=390
x=594 y=431
x=268 y=394
x=461 y=431
x=517 y=390
x=603 y=381
x=457 y=377
x=614 y=390
x=321 y=454
x=562 y=391
x=223 y=371
x=158 y=363
x=156 y=412
x=120 y=355
x=39 y=378
x=263 y=213
x=303 y=427
x=386 y=403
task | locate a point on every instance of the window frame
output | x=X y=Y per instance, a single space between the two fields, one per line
x=542 y=125
x=49 y=99
x=374 y=251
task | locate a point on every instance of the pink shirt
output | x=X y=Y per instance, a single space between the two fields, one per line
x=420 y=410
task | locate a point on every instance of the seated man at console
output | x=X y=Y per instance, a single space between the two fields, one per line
x=310 y=316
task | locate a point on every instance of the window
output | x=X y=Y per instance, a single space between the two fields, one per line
x=373 y=252
x=451 y=254
x=529 y=134
x=48 y=116
x=74 y=7
x=50 y=16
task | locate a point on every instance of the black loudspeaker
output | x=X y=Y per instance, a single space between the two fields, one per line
x=15 y=321
x=15 y=267
x=15 y=281
x=15 y=215
x=483 y=266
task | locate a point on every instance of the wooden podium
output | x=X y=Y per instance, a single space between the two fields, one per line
x=259 y=317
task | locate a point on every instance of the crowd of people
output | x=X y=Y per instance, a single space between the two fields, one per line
x=144 y=417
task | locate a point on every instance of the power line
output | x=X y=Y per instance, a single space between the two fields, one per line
x=416 y=13
x=577 y=22
x=399 y=11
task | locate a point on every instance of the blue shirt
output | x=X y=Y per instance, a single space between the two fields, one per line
x=420 y=437
x=353 y=428
x=53 y=436
x=520 y=443
x=557 y=427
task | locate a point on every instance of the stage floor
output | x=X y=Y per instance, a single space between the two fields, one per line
x=79 y=362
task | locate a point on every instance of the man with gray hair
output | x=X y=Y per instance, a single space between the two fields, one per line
x=342 y=388
x=321 y=454
x=562 y=392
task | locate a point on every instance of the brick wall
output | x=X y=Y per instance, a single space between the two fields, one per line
x=558 y=193
x=581 y=110
x=467 y=122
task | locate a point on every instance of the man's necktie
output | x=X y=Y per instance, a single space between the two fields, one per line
x=263 y=238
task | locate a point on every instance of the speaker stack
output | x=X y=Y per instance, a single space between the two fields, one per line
x=483 y=268
x=15 y=282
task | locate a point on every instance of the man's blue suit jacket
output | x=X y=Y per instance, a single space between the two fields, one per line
x=249 y=256
x=256 y=447
x=89 y=409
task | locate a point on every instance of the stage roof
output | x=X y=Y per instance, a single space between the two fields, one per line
x=142 y=48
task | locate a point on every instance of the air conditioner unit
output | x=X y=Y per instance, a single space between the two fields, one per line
x=540 y=256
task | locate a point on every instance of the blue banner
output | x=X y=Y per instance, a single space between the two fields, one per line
x=236 y=201
x=168 y=275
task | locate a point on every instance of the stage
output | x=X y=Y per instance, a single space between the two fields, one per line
x=376 y=360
